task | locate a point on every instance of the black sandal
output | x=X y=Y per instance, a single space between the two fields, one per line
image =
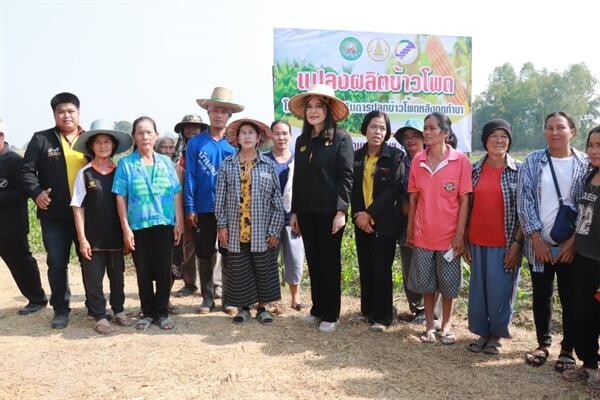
x=565 y=362
x=538 y=357
x=242 y=316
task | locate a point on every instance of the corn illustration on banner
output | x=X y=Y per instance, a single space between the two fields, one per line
x=407 y=76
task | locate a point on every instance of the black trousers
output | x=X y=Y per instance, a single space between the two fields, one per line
x=375 y=259
x=93 y=276
x=152 y=259
x=586 y=281
x=324 y=263
x=23 y=267
x=543 y=289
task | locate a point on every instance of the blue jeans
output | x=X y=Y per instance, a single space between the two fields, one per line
x=58 y=235
x=491 y=292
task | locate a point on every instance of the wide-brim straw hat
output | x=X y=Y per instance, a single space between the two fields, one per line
x=190 y=119
x=264 y=131
x=221 y=97
x=339 y=109
x=105 y=127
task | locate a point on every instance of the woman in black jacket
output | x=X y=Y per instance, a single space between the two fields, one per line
x=321 y=194
x=377 y=199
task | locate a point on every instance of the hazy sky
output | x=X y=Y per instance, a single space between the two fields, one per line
x=126 y=59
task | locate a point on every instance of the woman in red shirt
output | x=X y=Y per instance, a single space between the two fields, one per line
x=495 y=240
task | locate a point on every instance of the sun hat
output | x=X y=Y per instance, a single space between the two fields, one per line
x=339 y=109
x=105 y=127
x=221 y=97
x=263 y=129
x=190 y=119
x=491 y=126
x=411 y=123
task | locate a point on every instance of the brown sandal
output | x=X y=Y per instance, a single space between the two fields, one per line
x=103 y=327
x=123 y=320
x=538 y=357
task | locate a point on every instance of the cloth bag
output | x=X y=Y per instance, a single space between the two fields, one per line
x=564 y=223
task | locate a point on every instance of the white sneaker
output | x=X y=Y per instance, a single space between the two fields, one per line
x=325 y=326
x=309 y=318
x=377 y=327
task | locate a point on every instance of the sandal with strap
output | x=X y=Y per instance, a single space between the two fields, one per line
x=447 y=337
x=123 y=320
x=575 y=375
x=143 y=323
x=264 y=317
x=565 y=362
x=538 y=357
x=103 y=327
x=428 y=336
x=165 y=323
x=478 y=345
x=594 y=389
x=492 y=347
x=242 y=316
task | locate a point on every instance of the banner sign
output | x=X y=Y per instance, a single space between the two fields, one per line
x=406 y=76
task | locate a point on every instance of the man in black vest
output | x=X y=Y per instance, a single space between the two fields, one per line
x=49 y=169
x=14 y=223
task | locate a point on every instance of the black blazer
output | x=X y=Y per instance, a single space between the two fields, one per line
x=44 y=167
x=388 y=191
x=323 y=174
x=14 y=220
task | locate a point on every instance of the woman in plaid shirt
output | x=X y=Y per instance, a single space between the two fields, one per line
x=250 y=216
x=537 y=205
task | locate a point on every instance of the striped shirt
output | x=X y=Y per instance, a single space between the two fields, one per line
x=529 y=195
x=150 y=196
x=266 y=211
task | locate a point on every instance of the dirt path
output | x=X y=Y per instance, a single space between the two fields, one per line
x=208 y=357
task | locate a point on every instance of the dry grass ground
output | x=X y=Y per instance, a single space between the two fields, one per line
x=208 y=357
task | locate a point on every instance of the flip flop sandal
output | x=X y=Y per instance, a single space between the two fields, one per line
x=565 y=362
x=492 y=348
x=538 y=357
x=103 y=327
x=447 y=337
x=123 y=320
x=428 y=336
x=264 y=317
x=299 y=307
x=143 y=323
x=478 y=345
x=575 y=375
x=242 y=316
x=166 y=323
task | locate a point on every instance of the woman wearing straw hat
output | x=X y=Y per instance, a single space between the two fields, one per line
x=250 y=216
x=97 y=222
x=149 y=205
x=321 y=194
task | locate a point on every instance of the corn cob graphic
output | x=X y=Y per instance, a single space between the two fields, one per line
x=440 y=63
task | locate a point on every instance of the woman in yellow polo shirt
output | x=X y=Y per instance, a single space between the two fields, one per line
x=377 y=199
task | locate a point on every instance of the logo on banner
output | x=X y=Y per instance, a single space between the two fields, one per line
x=405 y=52
x=378 y=49
x=351 y=48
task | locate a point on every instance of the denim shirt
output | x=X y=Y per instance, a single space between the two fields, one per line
x=529 y=195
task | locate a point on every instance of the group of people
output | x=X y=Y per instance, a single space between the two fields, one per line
x=213 y=199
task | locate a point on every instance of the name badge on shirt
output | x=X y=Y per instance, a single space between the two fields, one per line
x=54 y=152
x=265 y=175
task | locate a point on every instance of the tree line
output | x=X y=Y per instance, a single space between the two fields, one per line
x=525 y=99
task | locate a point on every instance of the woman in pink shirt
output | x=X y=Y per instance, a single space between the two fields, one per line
x=439 y=185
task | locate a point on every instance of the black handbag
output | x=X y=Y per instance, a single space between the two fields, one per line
x=564 y=223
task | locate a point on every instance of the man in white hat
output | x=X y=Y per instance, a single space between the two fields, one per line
x=204 y=155
x=50 y=165
x=14 y=248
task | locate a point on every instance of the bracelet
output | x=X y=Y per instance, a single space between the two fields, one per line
x=519 y=242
